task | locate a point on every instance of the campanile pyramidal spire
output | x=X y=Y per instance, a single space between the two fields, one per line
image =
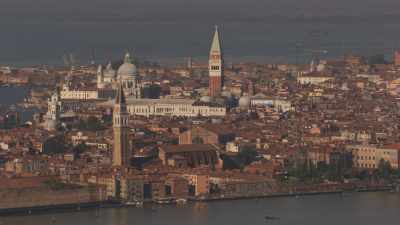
x=215 y=66
x=121 y=153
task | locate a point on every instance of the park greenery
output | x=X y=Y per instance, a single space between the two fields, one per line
x=245 y=157
x=90 y=124
x=311 y=172
x=55 y=184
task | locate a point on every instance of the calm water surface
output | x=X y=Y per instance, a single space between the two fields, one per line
x=172 y=42
x=351 y=209
x=41 y=31
x=14 y=95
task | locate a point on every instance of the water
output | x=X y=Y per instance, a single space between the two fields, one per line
x=14 y=95
x=172 y=42
x=170 y=31
x=352 y=209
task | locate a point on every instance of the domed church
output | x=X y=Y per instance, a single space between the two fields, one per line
x=213 y=105
x=127 y=74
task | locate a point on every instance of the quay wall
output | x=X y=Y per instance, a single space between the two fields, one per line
x=33 y=197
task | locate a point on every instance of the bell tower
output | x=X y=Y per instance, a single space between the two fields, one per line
x=121 y=153
x=215 y=66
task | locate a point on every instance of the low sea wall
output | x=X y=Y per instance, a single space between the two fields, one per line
x=42 y=200
x=36 y=197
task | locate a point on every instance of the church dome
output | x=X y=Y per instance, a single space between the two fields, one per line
x=127 y=69
x=109 y=71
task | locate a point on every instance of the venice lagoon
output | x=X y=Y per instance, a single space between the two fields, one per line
x=380 y=208
x=171 y=43
x=169 y=31
x=11 y=96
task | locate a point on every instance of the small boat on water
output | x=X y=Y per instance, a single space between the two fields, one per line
x=97 y=212
x=181 y=201
x=134 y=203
x=53 y=220
x=271 y=218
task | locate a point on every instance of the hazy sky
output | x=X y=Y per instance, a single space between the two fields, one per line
x=82 y=10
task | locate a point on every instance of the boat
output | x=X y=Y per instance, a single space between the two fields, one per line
x=181 y=201
x=129 y=203
x=134 y=203
x=53 y=220
x=163 y=201
x=97 y=212
x=271 y=218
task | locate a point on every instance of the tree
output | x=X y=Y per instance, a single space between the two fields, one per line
x=54 y=145
x=54 y=184
x=397 y=173
x=80 y=148
x=107 y=119
x=239 y=161
x=93 y=124
x=229 y=163
x=363 y=175
x=214 y=189
x=197 y=140
x=384 y=169
x=246 y=156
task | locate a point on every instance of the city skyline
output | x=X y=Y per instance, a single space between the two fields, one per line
x=191 y=112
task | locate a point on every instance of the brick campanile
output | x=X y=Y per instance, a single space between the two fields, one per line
x=215 y=66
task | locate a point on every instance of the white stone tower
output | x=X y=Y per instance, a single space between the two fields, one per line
x=100 y=77
x=52 y=117
x=121 y=153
